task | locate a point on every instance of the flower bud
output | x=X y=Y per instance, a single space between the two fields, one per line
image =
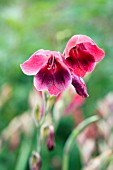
x=80 y=86
x=37 y=115
x=50 y=102
x=35 y=161
x=44 y=131
x=50 y=140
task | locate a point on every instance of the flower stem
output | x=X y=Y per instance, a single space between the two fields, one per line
x=38 y=147
x=72 y=138
x=45 y=108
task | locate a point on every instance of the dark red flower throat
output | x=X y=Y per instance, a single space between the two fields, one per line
x=51 y=62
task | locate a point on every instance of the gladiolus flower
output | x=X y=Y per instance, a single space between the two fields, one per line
x=50 y=72
x=81 y=54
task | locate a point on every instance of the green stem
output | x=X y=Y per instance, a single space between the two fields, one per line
x=38 y=140
x=45 y=108
x=72 y=138
x=40 y=124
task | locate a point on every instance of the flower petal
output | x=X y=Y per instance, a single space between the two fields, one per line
x=80 y=61
x=79 y=86
x=55 y=77
x=53 y=90
x=34 y=63
x=79 y=72
x=86 y=60
x=62 y=77
x=94 y=50
x=74 y=65
x=43 y=79
x=53 y=81
x=72 y=60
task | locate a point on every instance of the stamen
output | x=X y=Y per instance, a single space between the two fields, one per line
x=51 y=62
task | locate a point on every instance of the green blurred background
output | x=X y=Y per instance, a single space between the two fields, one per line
x=29 y=25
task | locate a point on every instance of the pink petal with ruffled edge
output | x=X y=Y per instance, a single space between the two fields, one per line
x=94 y=50
x=35 y=62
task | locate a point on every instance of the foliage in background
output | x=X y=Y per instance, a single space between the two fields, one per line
x=26 y=26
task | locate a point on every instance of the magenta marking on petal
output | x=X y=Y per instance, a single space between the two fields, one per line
x=79 y=86
x=72 y=61
x=86 y=60
x=43 y=79
x=80 y=61
x=74 y=40
x=54 y=76
x=62 y=77
x=81 y=46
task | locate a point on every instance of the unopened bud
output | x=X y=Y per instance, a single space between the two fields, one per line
x=50 y=140
x=80 y=86
x=44 y=131
x=37 y=114
x=50 y=102
x=35 y=161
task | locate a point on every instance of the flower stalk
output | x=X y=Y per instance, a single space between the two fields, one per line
x=38 y=147
x=47 y=105
x=55 y=72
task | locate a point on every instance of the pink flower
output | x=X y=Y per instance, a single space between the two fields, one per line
x=81 y=54
x=50 y=72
